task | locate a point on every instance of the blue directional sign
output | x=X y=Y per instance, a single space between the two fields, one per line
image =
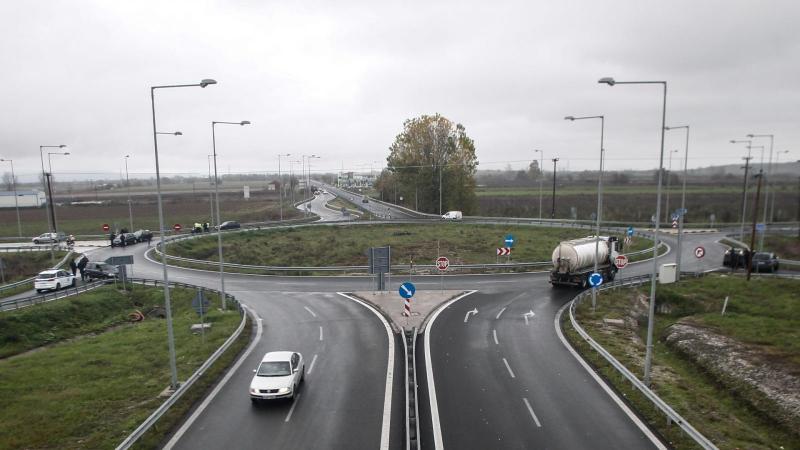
x=595 y=279
x=407 y=290
x=681 y=211
x=509 y=240
x=630 y=231
x=760 y=227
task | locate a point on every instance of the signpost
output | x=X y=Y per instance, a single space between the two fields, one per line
x=106 y=227
x=595 y=279
x=407 y=291
x=121 y=261
x=621 y=261
x=509 y=240
x=503 y=251
x=442 y=263
x=699 y=252
x=200 y=305
x=630 y=231
x=380 y=263
x=177 y=227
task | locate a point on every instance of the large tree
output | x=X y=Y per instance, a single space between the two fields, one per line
x=431 y=147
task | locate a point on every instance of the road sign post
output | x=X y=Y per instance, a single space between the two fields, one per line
x=699 y=253
x=177 y=227
x=407 y=291
x=595 y=279
x=106 y=227
x=442 y=263
x=620 y=261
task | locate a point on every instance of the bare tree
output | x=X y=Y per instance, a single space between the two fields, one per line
x=8 y=181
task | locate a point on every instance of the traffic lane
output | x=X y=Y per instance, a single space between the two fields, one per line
x=343 y=395
x=503 y=383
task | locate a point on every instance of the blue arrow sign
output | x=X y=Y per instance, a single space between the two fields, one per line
x=630 y=231
x=407 y=290
x=509 y=240
x=595 y=279
x=760 y=227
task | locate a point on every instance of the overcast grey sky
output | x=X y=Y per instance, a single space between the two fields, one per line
x=338 y=79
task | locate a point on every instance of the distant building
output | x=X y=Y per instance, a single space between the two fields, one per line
x=354 y=180
x=273 y=185
x=25 y=199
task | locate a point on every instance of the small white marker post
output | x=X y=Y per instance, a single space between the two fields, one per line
x=725 y=305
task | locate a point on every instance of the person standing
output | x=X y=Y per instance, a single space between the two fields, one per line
x=73 y=266
x=111 y=238
x=82 y=266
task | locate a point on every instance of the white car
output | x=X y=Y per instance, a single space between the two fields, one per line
x=49 y=238
x=53 y=280
x=278 y=376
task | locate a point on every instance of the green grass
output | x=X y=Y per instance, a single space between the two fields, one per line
x=762 y=312
x=338 y=245
x=785 y=246
x=22 y=265
x=338 y=203
x=101 y=376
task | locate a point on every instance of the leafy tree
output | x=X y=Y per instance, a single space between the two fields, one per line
x=430 y=147
x=534 y=171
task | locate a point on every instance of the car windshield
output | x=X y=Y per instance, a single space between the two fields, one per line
x=761 y=256
x=274 y=369
x=45 y=276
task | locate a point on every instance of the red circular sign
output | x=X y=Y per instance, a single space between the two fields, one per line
x=699 y=252
x=176 y=227
x=442 y=263
x=106 y=227
x=621 y=261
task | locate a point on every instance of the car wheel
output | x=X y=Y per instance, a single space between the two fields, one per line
x=58 y=286
x=303 y=375
x=36 y=241
x=39 y=291
x=73 y=282
x=253 y=401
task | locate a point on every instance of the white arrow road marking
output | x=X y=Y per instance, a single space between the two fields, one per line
x=498 y=314
x=466 y=316
x=309 y=311
x=510 y=372
x=530 y=410
x=528 y=314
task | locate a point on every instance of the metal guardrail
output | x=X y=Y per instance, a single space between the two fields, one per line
x=15 y=284
x=412 y=409
x=161 y=410
x=5 y=305
x=660 y=404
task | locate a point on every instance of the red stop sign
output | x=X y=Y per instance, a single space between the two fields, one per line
x=176 y=227
x=621 y=261
x=106 y=227
x=442 y=263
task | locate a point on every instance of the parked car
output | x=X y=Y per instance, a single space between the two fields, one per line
x=53 y=280
x=365 y=200
x=230 y=225
x=278 y=376
x=50 y=238
x=765 y=262
x=100 y=270
x=735 y=257
x=143 y=235
x=123 y=239
x=452 y=215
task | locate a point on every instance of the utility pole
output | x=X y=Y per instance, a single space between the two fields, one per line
x=755 y=219
x=744 y=194
x=553 y=210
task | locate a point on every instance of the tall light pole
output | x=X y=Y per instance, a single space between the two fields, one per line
x=683 y=200
x=744 y=183
x=291 y=177
x=305 y=177
x=167 y=304
x=14 y=186
x=772 y=208
x=541 y=179
x=280 y=183
x=128 y=185
x=50 y=169
x=553 y=210
x=599 y=197
x=308 y=177
x=210 y=192
x=651 y=314
x=216 y=202
x=46 y=185
x=669 y=182
x=766 y=185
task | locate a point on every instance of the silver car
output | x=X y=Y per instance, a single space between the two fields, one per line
x=278 y=376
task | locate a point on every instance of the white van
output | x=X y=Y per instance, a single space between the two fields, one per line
x=452 y=215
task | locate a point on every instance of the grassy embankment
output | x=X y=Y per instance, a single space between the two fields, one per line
x=763 y=312
x=338 y=203
x=22 y=265
x=94 y=376
x=785 y=246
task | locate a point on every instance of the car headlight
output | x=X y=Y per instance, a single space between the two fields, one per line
x=253 y=390
x=284 y=390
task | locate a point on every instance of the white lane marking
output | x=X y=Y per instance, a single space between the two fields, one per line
x=510 y=372
x=634 y=418
x=311 y=366
x=309 y=311
x=530 y=410
x=437 y=427
x=387 y=396
x=291 y=410
x=528 y=314
x=473 y=312
x=494 y=333
x=320 y=332
x=179 y=434
x=501 y=312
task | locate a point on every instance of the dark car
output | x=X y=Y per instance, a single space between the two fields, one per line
x=364 y=200
x=765 y=262
x=230 y=225
x=124 y=239
x=99 y=270
x=735 y=257
x=143 y=235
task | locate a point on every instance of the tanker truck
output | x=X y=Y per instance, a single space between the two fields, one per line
x=573 y=261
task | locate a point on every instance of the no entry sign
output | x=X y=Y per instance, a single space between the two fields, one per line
x=106 y=227
x=176 y=227
x=442 y=263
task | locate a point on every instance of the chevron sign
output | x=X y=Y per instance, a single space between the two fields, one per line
x=503 y=251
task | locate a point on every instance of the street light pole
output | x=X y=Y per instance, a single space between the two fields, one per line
x=772 y=207
x=599 y=198
x=553 y=210
x=210 y=192
x=744 y=183
x=667 y=215
x=128 y=184
x=652 y=307
x=280 y=183
x=683 y=201
x=50 y=169
x=16 y=203
x=541 y=178
x=760 y=177
x=167 y=304
x=216 y=202
x=766 y=185
x=46 y=185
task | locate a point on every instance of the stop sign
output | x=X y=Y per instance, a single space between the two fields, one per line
x=442 y=263
x=106 y=227
x=176 y=227
x=621 y=261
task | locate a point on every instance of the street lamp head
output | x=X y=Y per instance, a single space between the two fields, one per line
x=751 y=136
x=127 y=156
x=178 y=133
x=245 y=122
x=607 y=80
x=65 y=153
x=569 y=118
x=205 y=82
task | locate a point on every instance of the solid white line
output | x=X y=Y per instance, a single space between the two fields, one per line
x=311 y=366
x=634 y=418
x=387 y=396
x=219 y=386
x=309 y=311
x=320 y=332
x=291 y=410
x=509 y=368
x=437 y=427
x=501 y=312
x=530 y=410
x=494 y=333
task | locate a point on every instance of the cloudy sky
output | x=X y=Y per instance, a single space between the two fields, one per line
x=338 y=79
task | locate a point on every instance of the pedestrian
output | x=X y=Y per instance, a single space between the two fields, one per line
x=111 y=238
x=73 y=266
x=149 y=237
x=82 y=266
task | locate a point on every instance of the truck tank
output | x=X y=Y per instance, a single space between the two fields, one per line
x=578 y=254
